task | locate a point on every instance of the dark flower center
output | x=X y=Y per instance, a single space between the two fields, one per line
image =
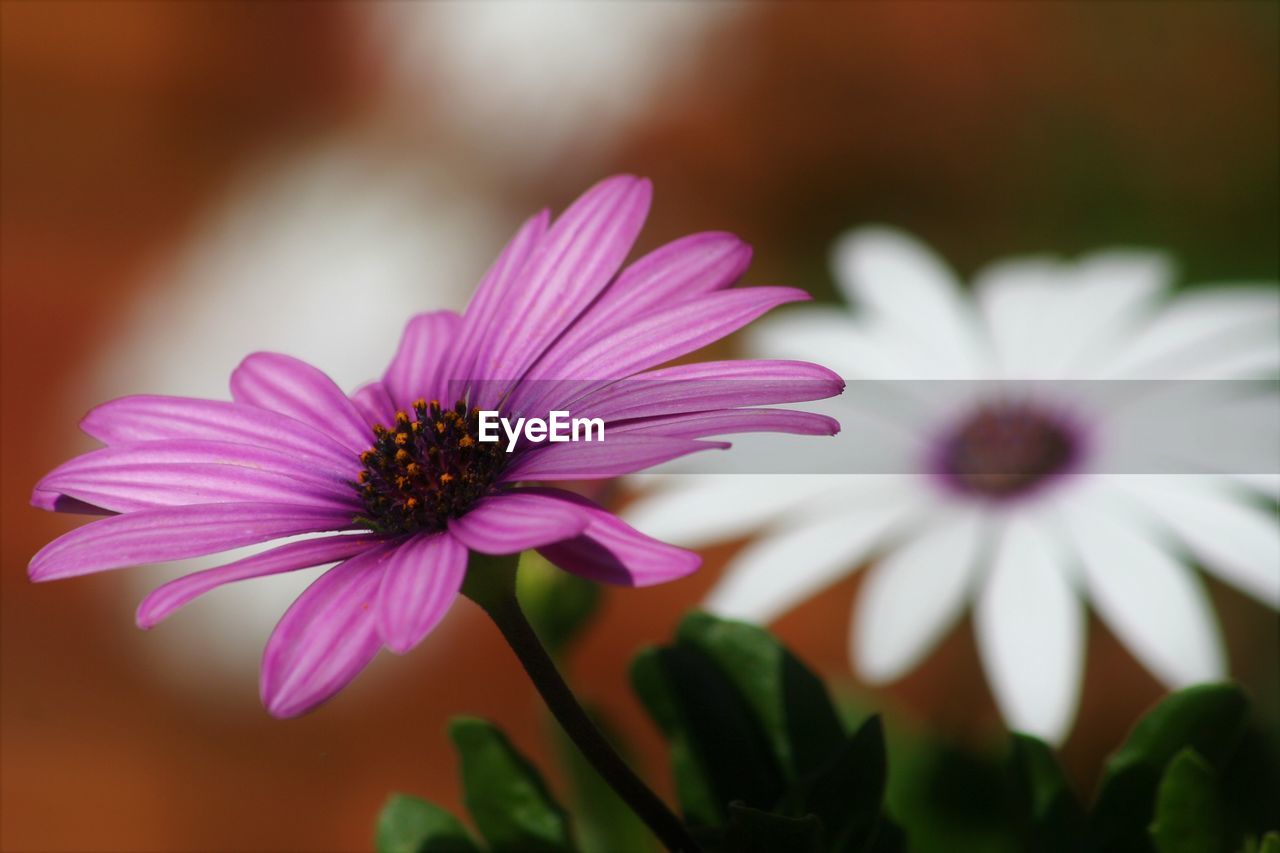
x=1007 y=449
x=426 y=469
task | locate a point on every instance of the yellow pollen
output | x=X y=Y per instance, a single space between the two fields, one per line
x=402 y=438
x=419 y=403
x=466 y=441
x=362 y=477
x=402 y=455
x=439 y=426
x=401 y=419
x=446 y=478
x=411 y=503
x=413 y=469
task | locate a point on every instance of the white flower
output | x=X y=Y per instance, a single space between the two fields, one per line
x=1020 y=490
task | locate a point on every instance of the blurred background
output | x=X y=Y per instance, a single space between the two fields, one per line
x=184 y=183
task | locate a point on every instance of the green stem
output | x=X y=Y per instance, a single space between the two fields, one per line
x=491 y=584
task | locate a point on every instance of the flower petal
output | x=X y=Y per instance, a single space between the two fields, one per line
x=375 y=403
x=175 y=533
x=914 y=595
x=517 y=521
x=613 y=457
x=710 y=385
x=303 y=554
x=1194 y=333
x=611 y=551
x=905 y=284
x=284 y=384
x=421 y=580
x=1153 y=603
x=676 y=272
x=495 y=293
x=325 y=638
x=421 y=363
x=696 y=510
x=656 y=338
x=1233 y=538
x=128 y=477
x=148 y=417
x=770 y=576
x=1030 y=628
x=1052 y=320
x=565 y=272
x=728 y=422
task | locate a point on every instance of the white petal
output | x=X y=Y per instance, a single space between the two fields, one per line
x=1017 y=298
x=1030 y=630
x=865 y=348
x=1266 y=485
x=1233 y=538
x=914 y=595
x=1112 y=292
x=1202 y=332
x=694 y=510
x=1054 y=320
x=770 y=576
x=901 y=282
x=1172 y=427
x=1153 y=603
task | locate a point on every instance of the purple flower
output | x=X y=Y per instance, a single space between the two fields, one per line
x=393 y=477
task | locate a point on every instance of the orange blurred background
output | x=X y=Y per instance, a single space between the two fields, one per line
x=189 y=181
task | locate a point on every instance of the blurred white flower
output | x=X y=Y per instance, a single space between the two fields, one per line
x=1028 y=487
x=526 y=82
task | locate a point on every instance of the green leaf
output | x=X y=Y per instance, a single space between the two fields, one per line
x=888 y=838
x=1271 y=843
x=693 y=790
x=1208 y=718
x=788 y=699
x=410 y=825
x=1188 y=816
x=1051 y=814
x=505 y=794
x=755 y=831
x=730 y=752
x=847 y=794
x=558 y=605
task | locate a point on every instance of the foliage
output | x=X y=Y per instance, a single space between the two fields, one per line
x=763 y=762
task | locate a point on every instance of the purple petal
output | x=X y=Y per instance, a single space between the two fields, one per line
x=421 y=580
x=566 y=270
x=613 y=457
x=325 y=638
x=612 y=551
x=175 y=533
x=515 y=522
x=684 y=268
x=375 y=403
x=678 y=271
x=496 y=291
x=292 y=556
x=710 y=385
x=128 y=477
x=148 y=418
x=283 y=384
x=729 y=421
x=55 y=502
x=656 y=338
x=418 y=369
